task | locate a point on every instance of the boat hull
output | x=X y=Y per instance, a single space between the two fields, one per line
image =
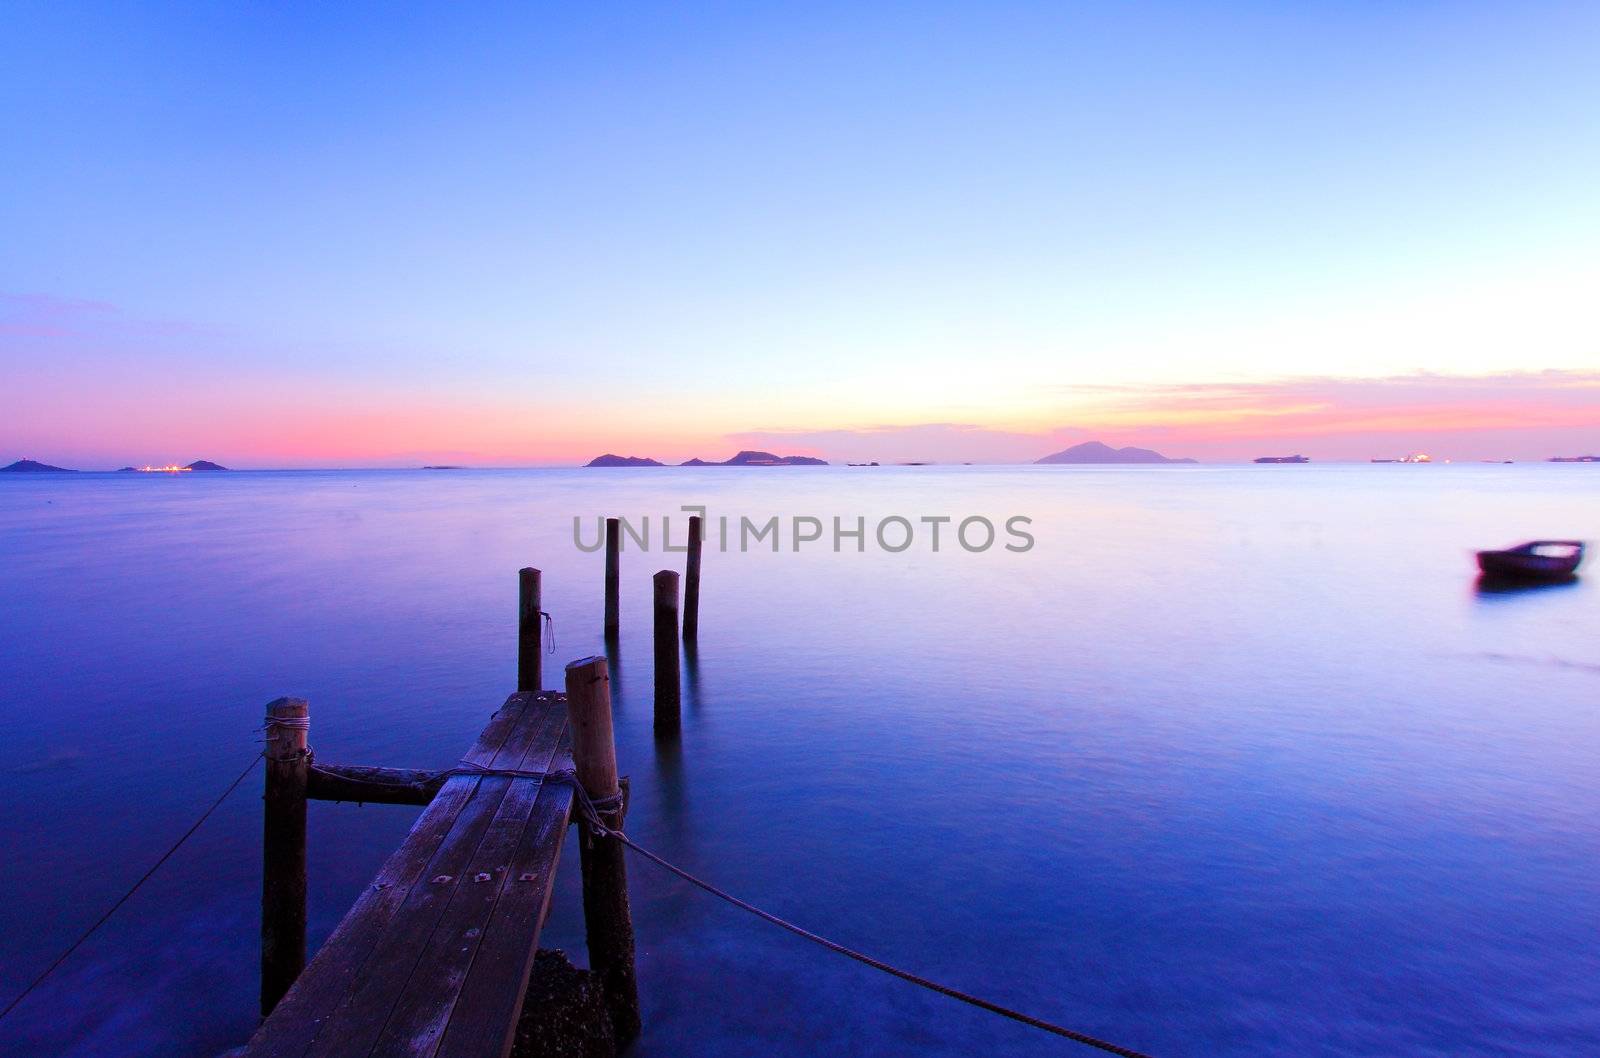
x=1520 y=565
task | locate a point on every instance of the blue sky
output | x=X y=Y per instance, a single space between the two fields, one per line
x=673 y=226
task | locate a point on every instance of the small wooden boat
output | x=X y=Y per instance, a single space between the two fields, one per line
x=1537 y=560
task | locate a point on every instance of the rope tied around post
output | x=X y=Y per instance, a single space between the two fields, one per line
x=588 y=808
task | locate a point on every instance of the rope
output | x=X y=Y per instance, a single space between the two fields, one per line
x=550 y=627
x=472 y=767
x=123 y=899
x=590 y=810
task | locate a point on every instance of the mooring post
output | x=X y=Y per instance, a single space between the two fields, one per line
x=666 y=644
x=608 y=923
x=691 y=580
x=613 y=573
x=283 y=849
x=530 y=653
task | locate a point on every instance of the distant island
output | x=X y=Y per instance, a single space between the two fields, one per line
x=204 y=466
x=1553 y=459
x=609 y=460
x=1095 y=452
x=1282 y=459
x=444 y=466
x=747 y=458
x=30 y=466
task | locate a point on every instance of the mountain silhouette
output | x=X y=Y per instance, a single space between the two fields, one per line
x=31 y=466
x=609 y=460
x=1095 y=452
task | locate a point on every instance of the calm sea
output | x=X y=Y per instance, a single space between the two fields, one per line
x=1233 y=761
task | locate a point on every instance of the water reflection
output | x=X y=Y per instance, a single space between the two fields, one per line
x=691 y=675
x=615 y=666
x=1490 y=587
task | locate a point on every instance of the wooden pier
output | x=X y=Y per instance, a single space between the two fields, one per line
x=435 y=956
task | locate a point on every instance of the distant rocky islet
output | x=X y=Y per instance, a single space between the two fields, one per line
x=33 y=466
x=747 y=458
x=1090 y=452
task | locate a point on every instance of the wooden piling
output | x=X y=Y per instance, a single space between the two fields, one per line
x=530 y=645
x=283 y=845
x=613 y=574
x=608 y=922
x=691 y=580
x=668 y=697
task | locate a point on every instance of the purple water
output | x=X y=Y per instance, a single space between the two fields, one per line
x=1234 y=761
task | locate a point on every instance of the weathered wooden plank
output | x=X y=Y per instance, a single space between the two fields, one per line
x=354 y=1026
x=386 y=786
x=423 y=1007
x=301 y=1015
x=483 y=1023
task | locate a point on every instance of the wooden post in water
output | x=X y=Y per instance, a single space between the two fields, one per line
x=608 y=922
x=613 y=574
x=283 y=850
x=530 y=653
x=666 y=644
x=691 y=580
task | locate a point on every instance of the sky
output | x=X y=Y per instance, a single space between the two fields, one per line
x=350 y=235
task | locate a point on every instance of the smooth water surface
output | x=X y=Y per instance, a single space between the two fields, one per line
x=1235 y=761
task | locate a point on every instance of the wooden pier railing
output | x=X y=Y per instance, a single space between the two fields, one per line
x=434 y=957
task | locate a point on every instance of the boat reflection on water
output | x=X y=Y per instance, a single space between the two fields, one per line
x=1491 y=586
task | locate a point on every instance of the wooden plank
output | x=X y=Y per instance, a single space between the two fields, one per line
x=365 y=785
x=301 y=1015
x=483 y=1023
x=423 y=1007
x=355 y=1025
